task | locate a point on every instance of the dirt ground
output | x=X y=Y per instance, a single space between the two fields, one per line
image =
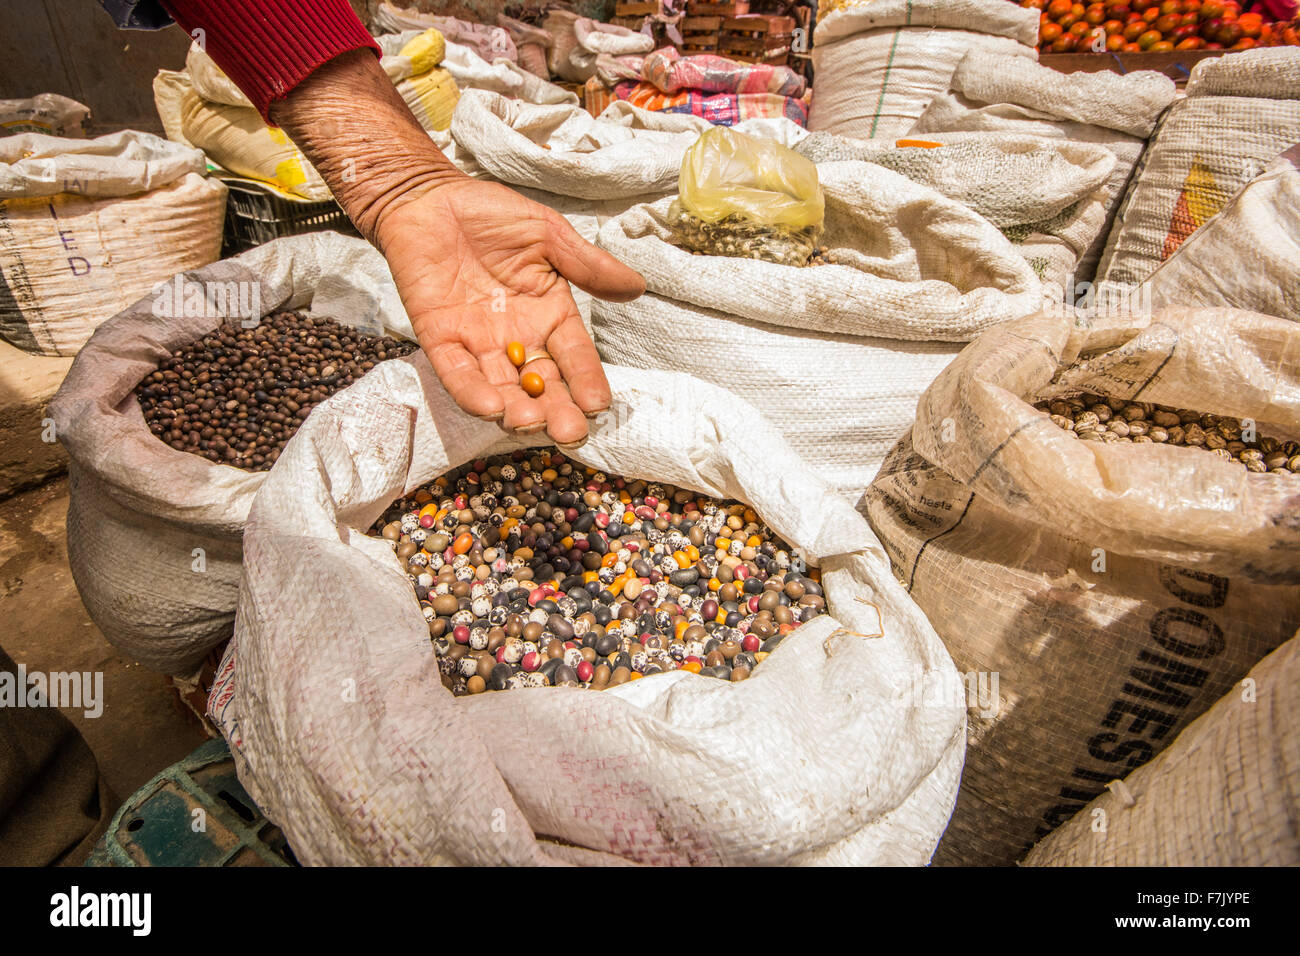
x=143 y=728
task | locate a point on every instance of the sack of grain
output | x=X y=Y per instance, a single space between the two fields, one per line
x=1105 y=593
x=531 y=42
x=997 y=94
x=47 y=113
x=577 y=41
x=836 y=355
x=1223 y=794
x=472 y=72
x=879 y=63
x=823 y=756
x=1245 y=256
x=87 y=226
x=153 y=532
x=1036 y=190
x=489 y=42
x=1240 y=113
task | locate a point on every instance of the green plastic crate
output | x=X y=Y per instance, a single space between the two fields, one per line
x=156 y=826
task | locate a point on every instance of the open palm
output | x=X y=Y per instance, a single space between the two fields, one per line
x=478 y=266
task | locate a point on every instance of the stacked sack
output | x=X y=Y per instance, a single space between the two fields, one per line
x=577 y=42
x=1223 y=794
x=1099 y=595
x=831 y=753
x=1032 y=188
x=531 y=42
x=1240 y=112
x=879 y=63
x=992 y=94
x=1245 y=255
x=837 y=354
x=487 y=41
x=715 y=88
x=201 y=107
x=140 y=512
x=47 y=113
x=87 y=226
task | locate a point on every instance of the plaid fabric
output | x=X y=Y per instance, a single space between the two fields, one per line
x=720 y=109
x=672 y=72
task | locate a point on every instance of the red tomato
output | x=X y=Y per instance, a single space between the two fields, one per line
x=1135 y=30
x=1163 y=46
x=1132 y=48
x=1229 y=33
x=1169 y=22
x=1149 y=39
x=1050 y=33
x=1119 y=11
x=1113 y=27
x=1114 y=43
x=1067 y=21
x=1245 y=43
x=1058 y=8
x=1095 y=15
x=1080 y=30
x=1191 y=43
x=1213 y=46
x=1151 y=14
x=1252 y=25
x=1169 y=6
x=1077 y=10
x=1211 y=9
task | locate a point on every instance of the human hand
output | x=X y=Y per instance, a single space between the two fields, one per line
x=478 y=266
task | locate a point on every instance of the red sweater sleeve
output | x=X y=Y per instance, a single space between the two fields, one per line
x=267 y=47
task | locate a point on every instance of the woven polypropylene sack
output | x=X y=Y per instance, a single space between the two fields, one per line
x=829 y=753
x=1245 y=256
x=154 y=533
x=1223 y=794
x=47 y=113
x=836 y=354
x=1240 y=113
x=87 y=226
x=880 y=63
x=1044 y=194
x=1100 y=596
x=996 y=94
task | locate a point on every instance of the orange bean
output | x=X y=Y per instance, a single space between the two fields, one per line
x=515 y=352
x=533 y=384
x=463 y=543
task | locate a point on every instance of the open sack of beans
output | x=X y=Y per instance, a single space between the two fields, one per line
x=153 y=530
x=879 y=63
x=1101 y=523
x=1244 y=256
x=1240 y=112
x=992 y=93
x=89 y=225
x=334 y=693
x=834 y=353
x=1042 y=193
x=1223 y=794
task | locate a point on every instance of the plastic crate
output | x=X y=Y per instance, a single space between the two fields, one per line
x=156 y=826
x=255 y=215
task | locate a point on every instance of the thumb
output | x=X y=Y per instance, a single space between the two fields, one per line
x=591 y=269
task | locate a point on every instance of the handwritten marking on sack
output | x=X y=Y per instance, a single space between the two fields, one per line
x=1153 y=701
x=78 y=265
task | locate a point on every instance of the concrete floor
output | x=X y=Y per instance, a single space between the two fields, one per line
x=143 y=728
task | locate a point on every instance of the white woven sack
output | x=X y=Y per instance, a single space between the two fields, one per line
x=87 y=226
x=991 y=93
x=878 y=83
x=835 y=355
x=487 y=41
x=1223 y=794
x=610 y=38
x=139 y=508
x=1245 y=256
x=880 y=62
x=831 y=753
x=472 y=72
x=1212 y=143
x=47 y=113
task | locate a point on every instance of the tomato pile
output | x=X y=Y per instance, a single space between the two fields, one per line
x=1134 y=26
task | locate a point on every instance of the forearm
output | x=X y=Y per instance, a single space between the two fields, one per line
x=355 y=129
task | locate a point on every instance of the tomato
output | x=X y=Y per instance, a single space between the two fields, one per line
x=1151 y=14
x=1231 y=9
x=1191 y=43
x=1149 y=39
x=1036 y=4
x=1252 y=24
x=1211 y=9
x=1140 y=6
x=1211 y=27
x=1183 y=32
x=1112 y=27
x=1189 y=6
x=1058 y=8
x=1245 y=43
x=1135 y=30
x=1164 y=46
x=1189 y=20
x=1067 y=21
x=1120 y=11
x=1213 y=46
x=1050 y=33
x=1077 y=10
x=1169 y=22
x=1080 y=29
x=1095 y=15
x=1065 y=44
x=1229 y=33
x=1132 y=48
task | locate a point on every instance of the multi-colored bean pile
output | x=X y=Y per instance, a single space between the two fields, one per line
x=533 y=571
x=237 y=395
x=1094 y=418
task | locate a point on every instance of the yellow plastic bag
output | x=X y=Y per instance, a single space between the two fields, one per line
x=748 y=198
